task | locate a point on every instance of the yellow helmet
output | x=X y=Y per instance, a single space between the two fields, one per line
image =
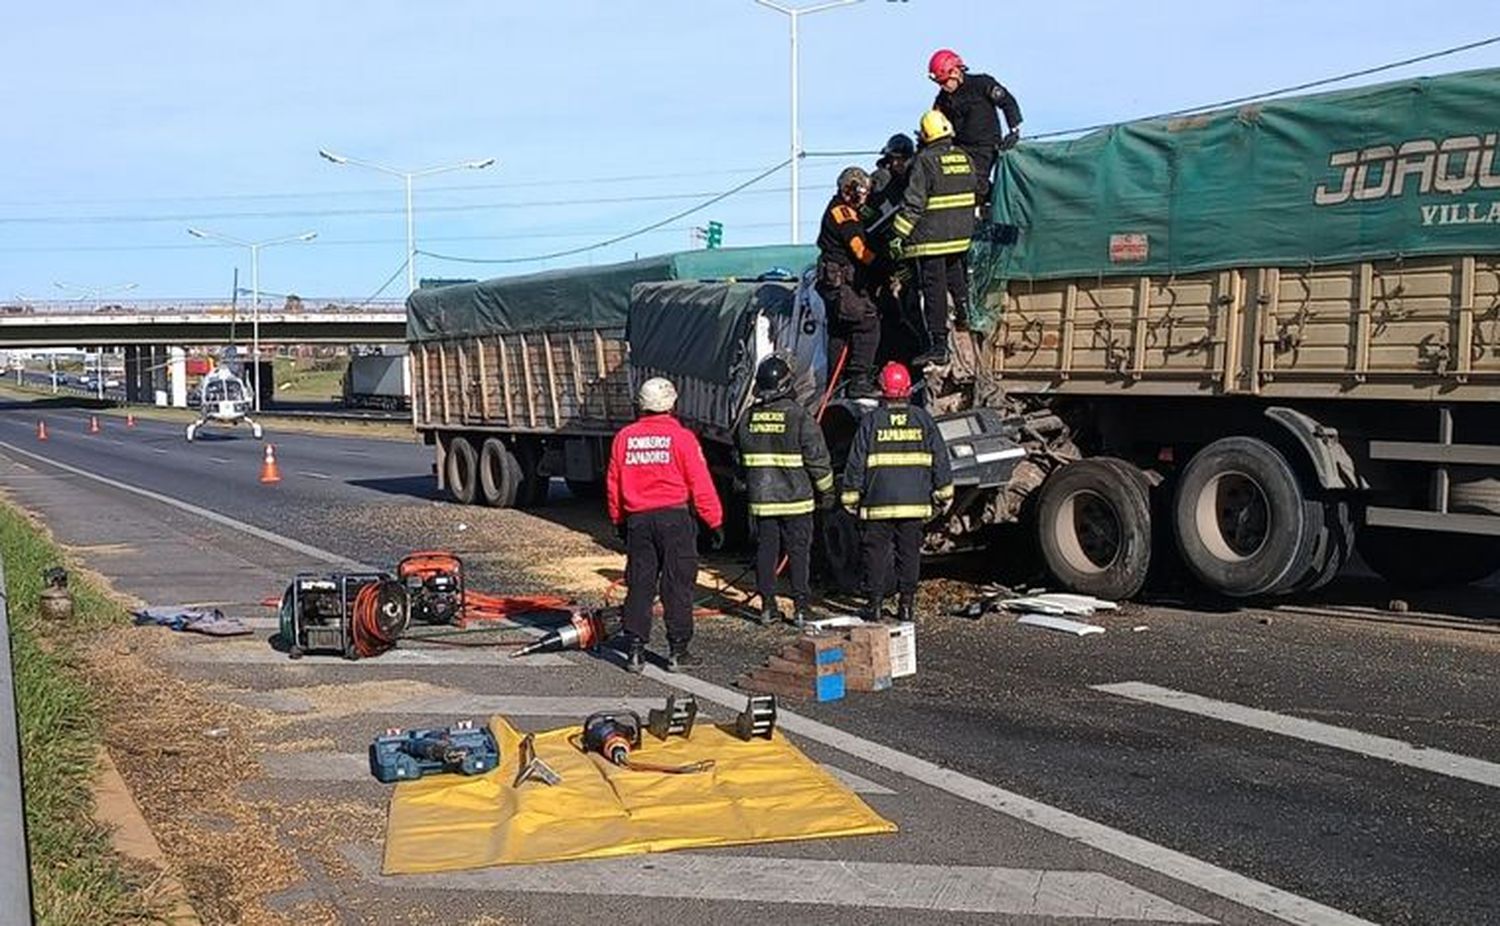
x=934 y=125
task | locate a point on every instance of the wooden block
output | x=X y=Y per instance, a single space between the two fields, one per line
x=803 y=669
x=822 y=649
x=867 y=683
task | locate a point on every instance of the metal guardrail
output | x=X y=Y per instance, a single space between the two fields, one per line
x=15 y=865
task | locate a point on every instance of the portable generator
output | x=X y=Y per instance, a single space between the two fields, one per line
x=434 y=581
x=356 y=614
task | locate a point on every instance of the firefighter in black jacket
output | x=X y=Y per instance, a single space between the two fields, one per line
x=896 y=478
x=845 y=282
x=786 y=468
x=935 y=227
x=970 y=102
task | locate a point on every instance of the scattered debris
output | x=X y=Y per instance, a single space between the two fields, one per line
x=1398 y=605
x=1033 y=601
x=1052 y=622
x=208 y=621
x=1139 y=628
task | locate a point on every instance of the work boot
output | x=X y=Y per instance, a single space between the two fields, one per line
x=800 y=617
x=906 y=612
x=635 y=656
x=932 y=357
x=678 y=657
x=874 y=611
x=863 y=388
x=769 y=614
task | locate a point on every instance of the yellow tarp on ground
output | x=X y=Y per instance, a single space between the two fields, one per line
x=760 y=791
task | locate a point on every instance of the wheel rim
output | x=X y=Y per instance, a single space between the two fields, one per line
x=1233 y=516
x=1088 y=532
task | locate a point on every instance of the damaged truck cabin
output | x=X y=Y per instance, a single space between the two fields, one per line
x=1256 y=339
x=520 y=379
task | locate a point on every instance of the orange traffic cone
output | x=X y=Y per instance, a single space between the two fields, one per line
x=93 y=424
x=269 y=471
x=129 y=420
x=41 y=429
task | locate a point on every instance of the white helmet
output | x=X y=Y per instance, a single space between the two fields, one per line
x=657 y=395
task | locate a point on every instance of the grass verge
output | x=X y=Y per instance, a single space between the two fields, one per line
x=76 y=876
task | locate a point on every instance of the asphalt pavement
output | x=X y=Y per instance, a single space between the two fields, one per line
x=1195 y=741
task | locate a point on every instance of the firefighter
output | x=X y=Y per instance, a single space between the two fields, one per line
x=896 y=478
x=656 y=470
x=787 y=473
x=901 y=332
x=970 y=102
x=888 y=180
x=845 y=260
x=934 y=228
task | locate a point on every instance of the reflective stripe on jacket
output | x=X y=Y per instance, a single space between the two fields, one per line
x=784 y=458
x=937 y=214
x=898 y=465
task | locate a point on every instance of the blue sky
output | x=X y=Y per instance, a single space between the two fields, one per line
x=127 y=122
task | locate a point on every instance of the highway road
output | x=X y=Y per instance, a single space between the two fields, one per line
x=1204 y=747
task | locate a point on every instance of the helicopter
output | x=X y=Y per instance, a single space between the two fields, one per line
x=223 y=398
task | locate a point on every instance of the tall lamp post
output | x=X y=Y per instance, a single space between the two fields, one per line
x=94 y=294
x=792 y=14
x=407 y=176
x=254 y=247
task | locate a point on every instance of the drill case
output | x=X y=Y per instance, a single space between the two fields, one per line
x=398 y=755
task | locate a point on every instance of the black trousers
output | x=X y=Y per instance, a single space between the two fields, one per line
x=878 y=540
x=792 y=535
x=853 y=322
x=984 y=170
x=661 y=555
x=940 y=277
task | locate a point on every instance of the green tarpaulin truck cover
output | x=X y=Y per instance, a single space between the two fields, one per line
x=581 y=297
x=1379 y=172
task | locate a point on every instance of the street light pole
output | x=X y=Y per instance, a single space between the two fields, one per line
x=406 y=177
x=795 y=146
x=254 y=247
x=96 y=295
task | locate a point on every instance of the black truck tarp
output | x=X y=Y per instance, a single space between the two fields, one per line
x=701 y=330
x=579 y=297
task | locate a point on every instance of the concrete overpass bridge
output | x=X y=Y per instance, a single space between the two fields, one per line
x=154 y=335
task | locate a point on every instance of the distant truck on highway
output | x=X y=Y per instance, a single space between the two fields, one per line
x=1248 y=342
x=377 y=381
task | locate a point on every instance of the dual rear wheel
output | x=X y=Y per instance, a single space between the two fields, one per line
x=495 y=474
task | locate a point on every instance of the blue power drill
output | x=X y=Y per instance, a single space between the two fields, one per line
x=398 y=755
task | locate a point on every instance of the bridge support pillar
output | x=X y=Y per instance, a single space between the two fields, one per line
x=132 y=374
x=177 y=372
x=155 y=373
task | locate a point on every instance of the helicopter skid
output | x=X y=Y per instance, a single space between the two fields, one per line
x=256 y=430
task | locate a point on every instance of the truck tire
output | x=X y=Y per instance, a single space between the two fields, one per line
x=1335 y=547
x=462 y=470
x=498 y=474
x=533 y=485
x=1243 y=526
x=843 y=563
x=1417 y=560
x=1094 y=527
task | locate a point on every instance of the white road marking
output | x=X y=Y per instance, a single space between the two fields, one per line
x=158 y=450
x=316 y=475
x=1179 y=866
x=219 y=459
x=1377 y=747
x=286 y=543
x=355 y=766
x=757 y=879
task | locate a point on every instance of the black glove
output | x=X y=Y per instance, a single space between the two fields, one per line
x=1010 y=139
x=620 y=531
x=825 y=501
x=716 y=539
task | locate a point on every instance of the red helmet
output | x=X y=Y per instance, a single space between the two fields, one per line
x=895 y=381
x=943 y=64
